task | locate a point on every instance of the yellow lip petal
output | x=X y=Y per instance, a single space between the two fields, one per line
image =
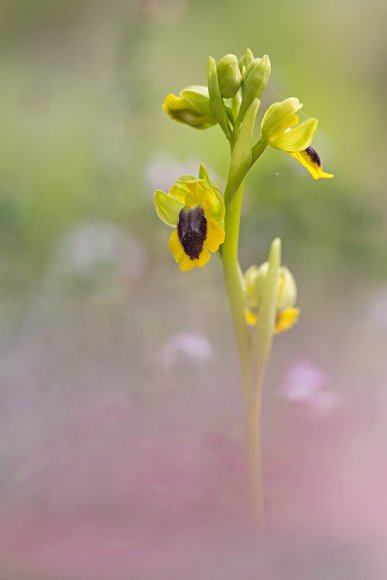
x=187 y=264
x=312 y=166
x=250 y=317
x=176 y=247
x=286 y=319
x=215 y=235
x=203 y=258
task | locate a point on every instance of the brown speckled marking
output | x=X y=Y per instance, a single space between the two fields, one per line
x=313 y=155
x=192 y=231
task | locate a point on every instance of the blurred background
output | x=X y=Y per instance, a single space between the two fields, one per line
x=121 y=439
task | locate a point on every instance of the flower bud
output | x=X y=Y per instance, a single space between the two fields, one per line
x=255 y=279
x=287 y=290
x=254 y=282
x=254 y=83
x=229 y=76
x=191 y=107
x=246 y=59
x=257 y=75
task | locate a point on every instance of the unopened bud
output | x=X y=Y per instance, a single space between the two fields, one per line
x=255 y=279
x=229 y=76
x=255 y=80
x=246 y=59
x=257 y=76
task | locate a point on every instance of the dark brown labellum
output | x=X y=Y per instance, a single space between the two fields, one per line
x=192 y=231
x=313 y=155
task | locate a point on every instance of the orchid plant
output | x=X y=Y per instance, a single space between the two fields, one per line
x=206 y=221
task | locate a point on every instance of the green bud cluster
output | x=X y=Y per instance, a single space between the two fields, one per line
x=232 y=100
x=235 y=88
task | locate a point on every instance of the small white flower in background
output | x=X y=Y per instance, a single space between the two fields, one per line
x=163 y=169
x=93 y=245
x=377 y=310
x=191 y=345
x=307 y=384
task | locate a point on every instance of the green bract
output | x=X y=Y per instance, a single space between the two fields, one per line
x=242 y=153
x=217 y=102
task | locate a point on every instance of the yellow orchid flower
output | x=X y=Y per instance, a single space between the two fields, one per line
x=286 y=313
x=280 y=129
x=195 y=209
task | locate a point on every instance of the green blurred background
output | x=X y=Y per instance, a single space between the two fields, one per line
x=89 y=292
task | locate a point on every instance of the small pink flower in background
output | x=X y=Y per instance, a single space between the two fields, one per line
x=306 y=383
x=163 y=13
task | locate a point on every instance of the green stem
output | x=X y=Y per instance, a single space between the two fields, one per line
x=254 y=458
x=254 y=353
x=234 y=283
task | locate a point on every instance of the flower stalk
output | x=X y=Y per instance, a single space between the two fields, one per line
x=262 y=301
x=234 y=284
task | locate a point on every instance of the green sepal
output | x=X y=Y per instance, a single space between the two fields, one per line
x=186 y=177
x=203 y=174
x=167 y=208
x=198 y=96
x=216 y=100
x=242 y=152
x=297 y=138
x=192 y=107
x=279 y=117
x=221 y=210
